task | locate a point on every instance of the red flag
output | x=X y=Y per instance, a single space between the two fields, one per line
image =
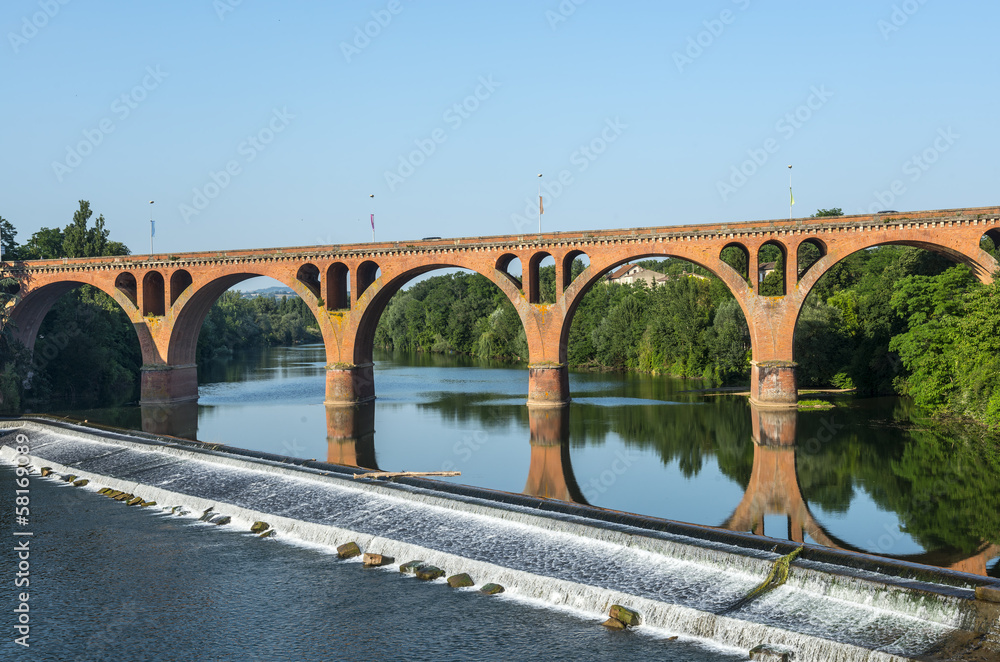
x=373 y=221
x=541 y=209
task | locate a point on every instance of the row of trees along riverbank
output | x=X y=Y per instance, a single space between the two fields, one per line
x=886 y=320
x=87 y=354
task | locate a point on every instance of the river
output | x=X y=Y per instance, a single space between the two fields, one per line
x=116 y=583
x=868 y=475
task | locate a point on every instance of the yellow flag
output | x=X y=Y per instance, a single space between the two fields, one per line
x=791 y=196
x=541 y=209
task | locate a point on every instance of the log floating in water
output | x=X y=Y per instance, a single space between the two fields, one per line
x=406 y=474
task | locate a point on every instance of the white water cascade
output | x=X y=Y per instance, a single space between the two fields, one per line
x=678 y=583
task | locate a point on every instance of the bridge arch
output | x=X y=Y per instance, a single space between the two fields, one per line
x=30 y=311
x=594 y=273
x=375 y=303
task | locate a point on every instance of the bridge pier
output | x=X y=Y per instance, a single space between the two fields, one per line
x=163 y=384
x=772 y=384
x=350 y=384
x=548 y=385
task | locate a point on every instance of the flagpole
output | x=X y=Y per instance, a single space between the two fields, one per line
x=539 y=204
x=372 y=196
x=791 y=198
x=152 y=230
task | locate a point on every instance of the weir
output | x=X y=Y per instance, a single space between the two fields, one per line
x=835 y=606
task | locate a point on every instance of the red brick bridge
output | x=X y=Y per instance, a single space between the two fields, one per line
x=348 y=287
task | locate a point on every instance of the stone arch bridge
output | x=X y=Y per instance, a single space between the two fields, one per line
x=167 y=297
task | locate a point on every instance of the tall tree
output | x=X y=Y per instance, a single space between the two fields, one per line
x=8 y=245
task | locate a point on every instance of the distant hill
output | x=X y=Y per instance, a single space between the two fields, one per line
x=277 y=292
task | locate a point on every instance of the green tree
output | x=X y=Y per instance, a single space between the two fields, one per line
x=9 y=250
x=46 y=244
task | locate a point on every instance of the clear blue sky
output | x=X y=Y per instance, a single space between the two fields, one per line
x=883 y=87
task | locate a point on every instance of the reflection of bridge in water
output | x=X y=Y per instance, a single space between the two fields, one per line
x=773 y=488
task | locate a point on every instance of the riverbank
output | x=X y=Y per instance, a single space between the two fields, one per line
x=680 y=577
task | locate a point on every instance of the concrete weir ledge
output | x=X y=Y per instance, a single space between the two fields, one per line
x=683 y=579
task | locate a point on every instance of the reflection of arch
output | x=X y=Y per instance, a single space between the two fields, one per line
x=126 y=284
x=180 y=280
x=550 y=474
x=338 y=278
x=153 y=294
x=774 y=489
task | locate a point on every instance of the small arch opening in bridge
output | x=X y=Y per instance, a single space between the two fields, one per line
x=573 y=264
x=659 y=315
x=180 y=280
x=153 y=294
x=308 y=275
x=510 y=266
x=541 y=278
x=737 y=256
x=338 y=287
x=991 y=243
x=126 y=284
x=368 y=273
x=772 y=260
x=809 y=253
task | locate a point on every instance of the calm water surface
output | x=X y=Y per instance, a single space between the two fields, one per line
x=864 y=476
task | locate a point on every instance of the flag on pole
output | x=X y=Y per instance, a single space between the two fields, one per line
x=152 y=228
x=792 y=197
x=373 y=222
x=541 y=209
